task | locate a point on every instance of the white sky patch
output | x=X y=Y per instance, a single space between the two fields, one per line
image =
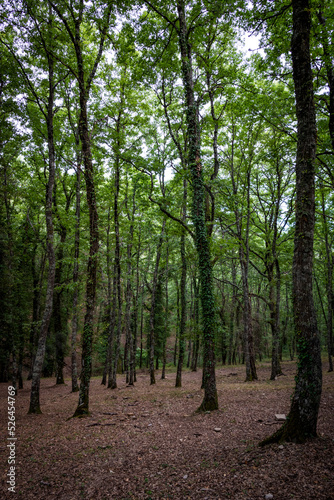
x=169 y=173
x=250 y=44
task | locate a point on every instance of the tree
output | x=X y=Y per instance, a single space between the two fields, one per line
x=301 y=423
x=184 y=29
x=182 y=331
x=39 y=358
x=85 y=74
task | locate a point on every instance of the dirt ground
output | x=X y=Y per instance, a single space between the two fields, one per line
x=145 y=442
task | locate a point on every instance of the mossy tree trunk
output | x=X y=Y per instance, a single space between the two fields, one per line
x=196 y=327
x=182 y=331
x=210 y=400
x=301 y=423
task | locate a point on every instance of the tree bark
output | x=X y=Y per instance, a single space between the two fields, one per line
x=329 y=265
x=153 y=297
x=85 y=80
x=129 y=296
x=182 y=332
x=74 y=369
x=164 y=347
x=196 y=326
x=210 y=400
x=87 y=336
x=112 y=382
x=248 y=345
x=301 y=423
x=178 y=382
x=39 y=357
x=59 y=328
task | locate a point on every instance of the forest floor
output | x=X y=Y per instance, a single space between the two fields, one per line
x=146 y=442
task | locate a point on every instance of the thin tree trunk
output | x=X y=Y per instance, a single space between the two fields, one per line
x=128 y=323
x=87 y=336
x=196 y=322
x=189 y=353
x=39 y=358
x=108 y=354
x=36 y=306
x=135 y=310
x=177 y=320
x=57 y=303
x=118 y=288
x=248 y=349
x=141 y=332
x=74 y=369
x=111 y=329
x=163 y=373
x=178 y=382
x=274 y=304
x=84 y=83
x=153 y=298
x=232 y=315
x=329 y=265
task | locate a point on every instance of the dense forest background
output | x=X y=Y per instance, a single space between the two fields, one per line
x=102 y=256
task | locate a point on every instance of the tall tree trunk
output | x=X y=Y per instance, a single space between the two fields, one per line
x=141 y=330
x=39 y=358
x=58 y=308
x=210 y=400
x=109 y=292
x=301 y=423
x=183 y=317
x=328 y=60
x=112 y=383
x=87 y=336
x=248 y=345
x=135 y=311
x=196 y=324
x=36 y=306
x=274 y=305
x=74 y=369
x=177 y=329
x=329 y=265
x=111 y=329
x=232 y=314
x=189 y=353
x=129 y=294
x=85 y=80
x=182 y=332
x=164 y=347
x=153 y=300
